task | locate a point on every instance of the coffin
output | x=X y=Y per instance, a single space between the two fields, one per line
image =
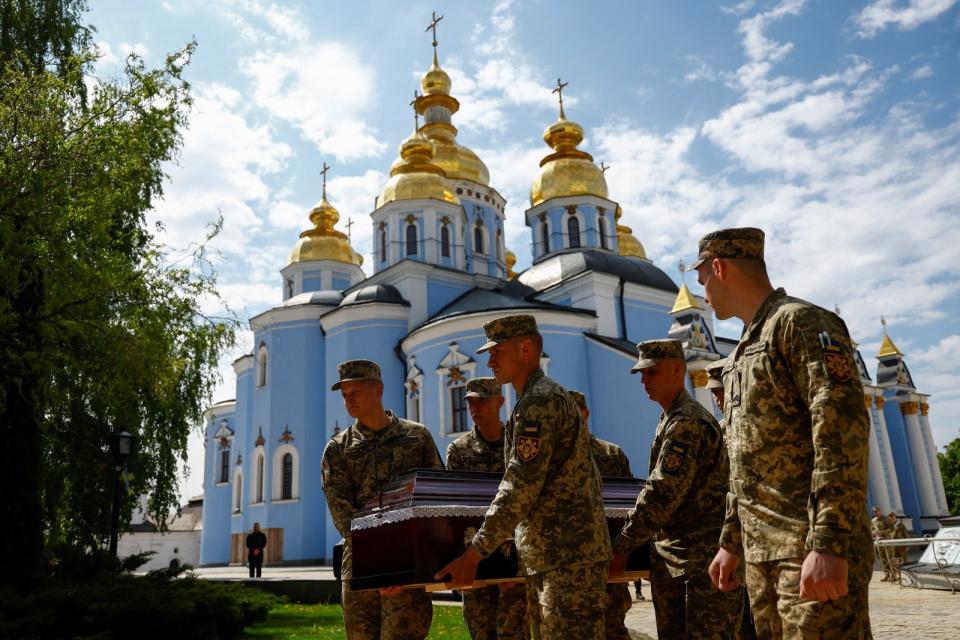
x=425 y=518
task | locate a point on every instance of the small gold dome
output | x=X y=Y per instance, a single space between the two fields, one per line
x=415 y=175
x=568 y=171
x=627 y=244
x=511 y=260
x=435 y=81
x=323 y=242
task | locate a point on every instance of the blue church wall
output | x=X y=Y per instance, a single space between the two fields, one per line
x=339 y=283
x=215 y=534
x=645 y=321
x=244 y=416
x=628 y=419
x=900 y=444
x=440 y=294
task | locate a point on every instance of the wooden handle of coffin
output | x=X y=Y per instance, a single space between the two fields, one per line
x=628 y=576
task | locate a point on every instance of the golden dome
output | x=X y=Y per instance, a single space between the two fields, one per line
x=415 y=175
x=887 y=348
x=435 y=81
x=627 y=244
x=568 y=171
x=323 y=242
x=511 y=259
x=685 y=300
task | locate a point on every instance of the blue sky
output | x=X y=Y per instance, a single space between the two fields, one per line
x=833 y=125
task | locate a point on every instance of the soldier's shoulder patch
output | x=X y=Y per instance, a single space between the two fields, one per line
x=838 y=363
x=527 y=448
x=530 y=428
x=674 y=457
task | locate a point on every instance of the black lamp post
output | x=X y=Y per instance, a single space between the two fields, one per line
x=121 y=443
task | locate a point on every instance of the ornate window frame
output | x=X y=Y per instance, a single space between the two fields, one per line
x=454 y=370
x=277 y=477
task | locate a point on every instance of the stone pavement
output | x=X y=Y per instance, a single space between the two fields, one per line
x=895 y=613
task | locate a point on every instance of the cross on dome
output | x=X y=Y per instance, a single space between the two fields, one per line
x=433 y=27
x=326 y=169
x=559 y=91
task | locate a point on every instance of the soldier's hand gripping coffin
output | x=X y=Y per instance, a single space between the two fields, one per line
x=425 y=518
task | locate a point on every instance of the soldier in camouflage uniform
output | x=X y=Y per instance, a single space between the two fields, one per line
x=357 y=463
x=497 y=612
x=681 y=508
x=797 y=440
x=550 y=497
x=611 y=462
x=897 y=555
x=881 y=531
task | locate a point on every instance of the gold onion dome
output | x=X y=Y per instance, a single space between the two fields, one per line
x=567 y=171
x=510 y=261
x=323 y=242
x=627 y=243
x=437 y=105
x=415 y=175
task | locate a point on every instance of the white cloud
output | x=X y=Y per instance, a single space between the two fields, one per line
x=920 y=73
x=107 y=56
x=288 y=215
x=698 y=69
x=881 y=14
x=353 y=196
x=138 y=48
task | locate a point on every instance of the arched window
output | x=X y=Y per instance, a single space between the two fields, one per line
x=445 y=241
x=411 y=239
x=603 y=234
x=477 y=240
x=573 y=230
x=262 y=365
x=238 y=491
x=383 y=245
x=224 y=465
x=545 y=236
x=258 y=498
x=286 y=477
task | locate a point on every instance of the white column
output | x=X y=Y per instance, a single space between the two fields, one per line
x=878 y=487
x=698 y=378
x=918 y=458
x=886 y=455
x=934 y=463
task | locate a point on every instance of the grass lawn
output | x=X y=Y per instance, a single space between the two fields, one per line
x=302 y=621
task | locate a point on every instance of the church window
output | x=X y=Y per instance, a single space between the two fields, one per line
x=445 y=241
x=258 y=479
x=477 y=240
x=458 y=405
x=262 y=365
x=289 y=288
x=545 y=236
x=603 y=234
x=238 y=492
x=383 y=246
x=573 y=230
x=411 y=239
x=224 y=465
x=286 y=492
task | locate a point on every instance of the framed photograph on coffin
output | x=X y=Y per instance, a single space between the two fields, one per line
x=425 y=518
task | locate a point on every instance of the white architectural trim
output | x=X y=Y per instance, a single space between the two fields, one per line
x=530 y=214
x=263 y=365
x=467 y=367
x=369 y=311
x=414 y=380
x=259 y=484
x=243 y=364
x=301 y=312
x=236 y=500
x=277 y=486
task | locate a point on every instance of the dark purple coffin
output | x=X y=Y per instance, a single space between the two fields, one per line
x=424 y=519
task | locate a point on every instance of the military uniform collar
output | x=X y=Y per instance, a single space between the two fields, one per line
x=771 y=302
x=367 y=433
x=682 y=397
x=487 y=443
x=534 y=377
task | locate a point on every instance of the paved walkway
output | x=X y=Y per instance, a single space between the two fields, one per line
x=895 y=614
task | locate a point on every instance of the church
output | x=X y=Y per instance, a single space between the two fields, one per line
x=441 y=269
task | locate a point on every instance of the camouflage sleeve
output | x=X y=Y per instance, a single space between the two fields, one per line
x=536 y=424
x=430 y=455
x=454 y=462
x=817 y=348
x=624 y=465
x=731 y=535
x=667 y=487
x=337 y=489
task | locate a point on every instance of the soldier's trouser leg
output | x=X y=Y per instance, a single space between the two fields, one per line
x=572 y=599
x=407 y=615
x=689 y=608
x=533 y=608
x=361 y=613
x=512 y=622
x=778 y=611
x=618 y=603
x=480 y=612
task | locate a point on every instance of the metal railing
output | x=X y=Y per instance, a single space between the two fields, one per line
x=909 y=574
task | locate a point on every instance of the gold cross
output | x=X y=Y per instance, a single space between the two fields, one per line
x=559 y=92
x=416 y=114
x=603 y=167
x=348 y=225
x=683 y=272
x=883 y=321
x=433 y=27
x=323 y=173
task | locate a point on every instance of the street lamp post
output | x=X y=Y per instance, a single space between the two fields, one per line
x=121 y=443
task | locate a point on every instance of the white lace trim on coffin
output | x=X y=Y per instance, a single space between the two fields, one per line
x=440 y=511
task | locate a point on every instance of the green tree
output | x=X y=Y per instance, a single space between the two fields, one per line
x=950 y=471
x=101 y=327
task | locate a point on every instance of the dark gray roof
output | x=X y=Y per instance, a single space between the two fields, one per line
x=564 y=266
x=620 y=344
x=384 y=293
x=477 y=300
x=329 y=298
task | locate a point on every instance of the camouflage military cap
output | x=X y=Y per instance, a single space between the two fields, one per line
x=653 y=351
x=579 y=398
x=356 y=370
x=715 y=374
x=743 y=242
x=483 y=388
x=508 y=327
